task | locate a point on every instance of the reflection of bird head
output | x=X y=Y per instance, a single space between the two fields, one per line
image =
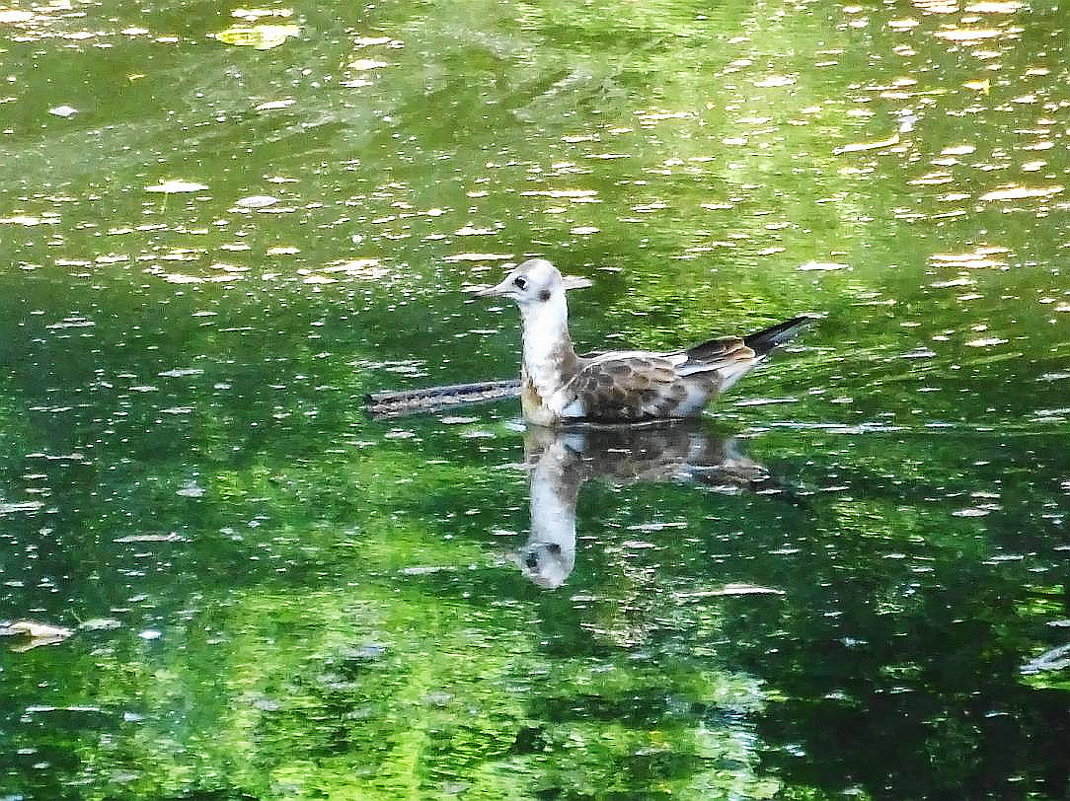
x=547 y=564
x=562 y=460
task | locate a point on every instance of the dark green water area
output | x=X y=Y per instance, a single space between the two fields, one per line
x=221 y=580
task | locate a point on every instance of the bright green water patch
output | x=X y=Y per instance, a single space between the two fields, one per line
x=213 y=247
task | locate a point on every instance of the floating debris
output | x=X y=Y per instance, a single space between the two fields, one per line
x=393 y=404
x=968 y=34
x=856 y=147
x=1055 y=659
x=260 y=37
x=20 y=506
x=181 y=372
x=477 y=257
x=11 y=16
x=774 y=81
x=1021 y=192
x=730 y=590
x=973 y=511
x=365 y=64
x=821 y=266
x=170 y=537
x=38 y=633
x=257 y=201
x=270 y=105
x=977 y=258
x=175 y=187
x=28 y=221
x=253 y=14
x=990 y=7
x=99 y=624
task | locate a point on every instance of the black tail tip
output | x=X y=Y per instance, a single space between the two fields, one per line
x=761 y=342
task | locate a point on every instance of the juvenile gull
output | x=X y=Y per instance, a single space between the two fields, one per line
x=559 y=387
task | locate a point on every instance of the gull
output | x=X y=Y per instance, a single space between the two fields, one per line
x=561 y=388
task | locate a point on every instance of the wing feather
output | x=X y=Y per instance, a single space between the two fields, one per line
x=630 y=387
x=728 y=354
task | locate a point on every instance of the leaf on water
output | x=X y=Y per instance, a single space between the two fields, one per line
x=477 y=257
x=571 y=194
x=271 y=105
x=256 y=201
x=176 y=187
x=12 y=16
x=1020 y=192
x=260 y=37
x=732 y=589
x=989 y=7
x=978 y=258
x=972 y=511
x=368 y=41
x=765 y=401
x=182 y=372
x=253 y=14
x=100 y=624
x=1055 y=659
x=747 y=589
x=369 y=268
x=28 y=221
x=364 y=64
x=933 y=179
x=20 y=506
x=774 y=80
x=968 y=34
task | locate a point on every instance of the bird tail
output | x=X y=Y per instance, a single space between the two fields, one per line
x=762 y=342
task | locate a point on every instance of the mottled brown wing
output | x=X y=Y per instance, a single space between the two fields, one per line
x=629 y=388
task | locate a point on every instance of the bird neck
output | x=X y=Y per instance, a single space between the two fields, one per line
x=550 y=361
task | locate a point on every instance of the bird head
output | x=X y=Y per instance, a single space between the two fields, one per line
x=531 y=282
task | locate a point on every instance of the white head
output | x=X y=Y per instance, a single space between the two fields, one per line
x=533 y=283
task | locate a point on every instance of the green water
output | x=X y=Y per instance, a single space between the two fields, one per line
x=849 y=580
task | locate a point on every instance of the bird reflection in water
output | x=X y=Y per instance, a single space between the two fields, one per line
x=560 y=461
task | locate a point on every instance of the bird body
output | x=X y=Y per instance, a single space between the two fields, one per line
x=560 y=387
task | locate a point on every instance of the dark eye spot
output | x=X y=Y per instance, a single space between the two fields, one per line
x=520 y=282
x=544 y=295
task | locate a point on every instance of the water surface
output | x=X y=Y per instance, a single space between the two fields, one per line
x=221 y=229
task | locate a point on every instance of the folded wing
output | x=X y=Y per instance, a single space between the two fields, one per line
x=628 y=387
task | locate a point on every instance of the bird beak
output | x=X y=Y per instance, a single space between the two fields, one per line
x=500 y=290
x=497 y=291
